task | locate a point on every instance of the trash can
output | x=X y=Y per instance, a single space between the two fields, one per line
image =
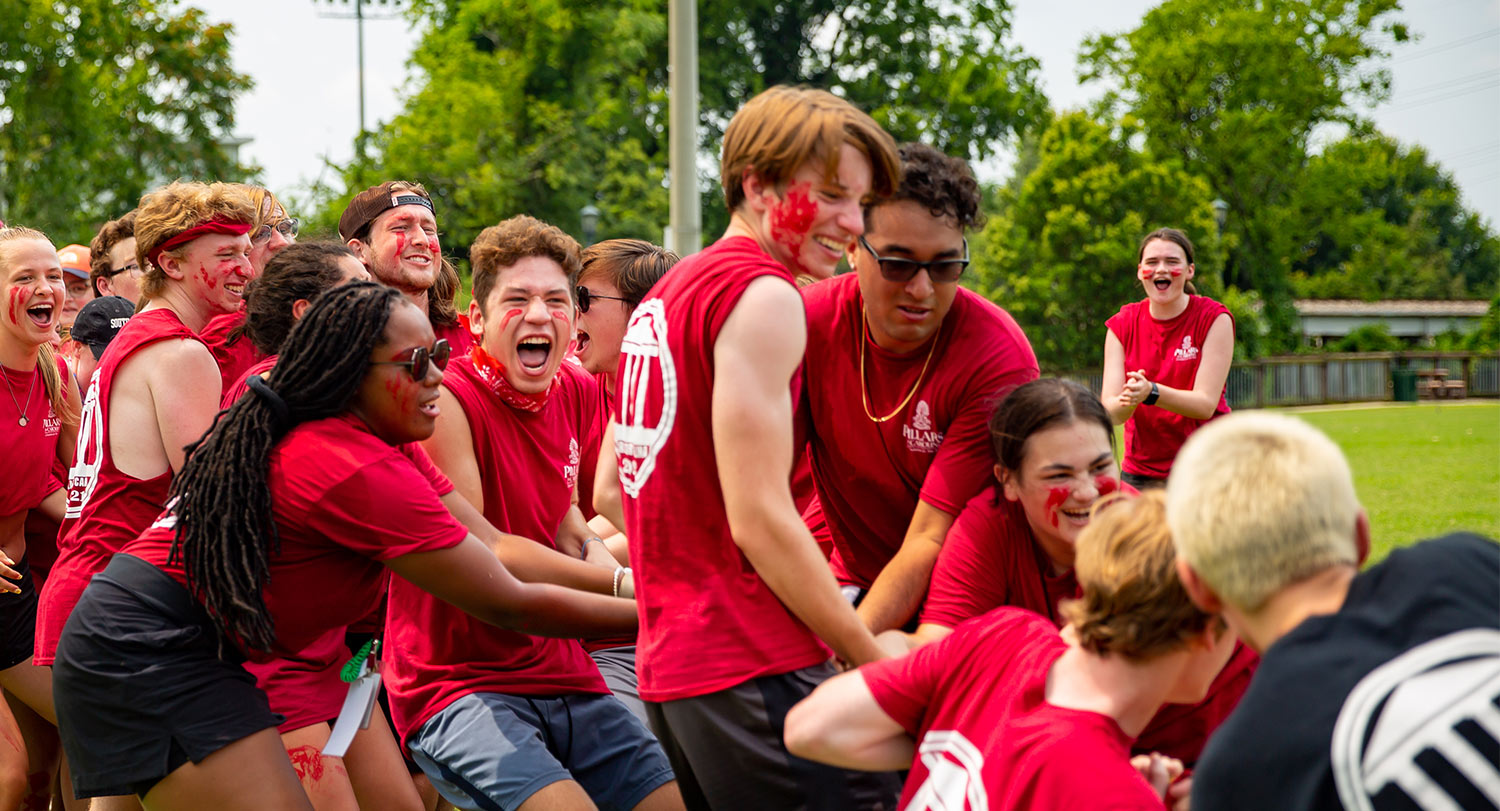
x=1404 y=385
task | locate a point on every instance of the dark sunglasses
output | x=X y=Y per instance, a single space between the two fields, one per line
x=901 y=271
x=586 y=298
x=421 y=356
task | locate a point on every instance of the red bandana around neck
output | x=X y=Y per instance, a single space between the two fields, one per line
x=492 y=372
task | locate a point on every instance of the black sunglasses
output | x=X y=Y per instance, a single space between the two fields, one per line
x=901 y=271
x=586 y=298
x=421 y=356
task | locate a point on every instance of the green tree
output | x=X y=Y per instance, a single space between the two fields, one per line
x=1234 y=89
x=542 y=106
x=537 y=108
x=1379 y=221
x=1061 y=257
x=101 y=100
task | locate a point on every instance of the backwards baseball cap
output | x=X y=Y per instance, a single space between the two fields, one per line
x=376 y=200
x=75 y=260
x=100 y=320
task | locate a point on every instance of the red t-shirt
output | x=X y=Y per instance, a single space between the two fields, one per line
x=239 y=385
x=107 y=508
x=234 y=354
x=991 y=559
x=591 y=452
x=870 y=474
x=1169 y=352
x=987 y=740
x=708 y=621
x=343 y=501
x=31 y=449
x=528 y=463
x=459 y=338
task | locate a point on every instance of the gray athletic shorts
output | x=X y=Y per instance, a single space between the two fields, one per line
x=493 y=751
x=617 y=666
x=728 y=752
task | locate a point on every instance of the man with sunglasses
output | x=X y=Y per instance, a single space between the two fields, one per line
x=903 y=368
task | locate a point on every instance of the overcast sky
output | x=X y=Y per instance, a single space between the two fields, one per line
x=304 y=109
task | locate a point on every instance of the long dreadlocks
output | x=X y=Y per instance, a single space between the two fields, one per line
x=225 y=534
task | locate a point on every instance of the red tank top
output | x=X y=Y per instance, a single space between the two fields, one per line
x=708 y=622
x=1170 y=352
x=106 y=507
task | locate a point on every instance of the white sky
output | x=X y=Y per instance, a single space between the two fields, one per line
x=304 y=109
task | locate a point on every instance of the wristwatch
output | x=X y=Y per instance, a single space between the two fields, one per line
x=1151 y=398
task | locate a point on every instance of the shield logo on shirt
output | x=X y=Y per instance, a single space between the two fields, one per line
x=647 y=394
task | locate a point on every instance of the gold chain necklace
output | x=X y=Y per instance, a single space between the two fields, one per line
x=864 y=394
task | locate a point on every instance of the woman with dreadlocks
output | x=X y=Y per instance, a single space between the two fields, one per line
x=282 y=518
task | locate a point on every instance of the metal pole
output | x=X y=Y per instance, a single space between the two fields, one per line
x=359 y=25
x=686 y=228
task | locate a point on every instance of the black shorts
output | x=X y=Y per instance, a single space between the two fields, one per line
x=139 y=684
x=1141 y=482
x=728 y=752
x=18 y=619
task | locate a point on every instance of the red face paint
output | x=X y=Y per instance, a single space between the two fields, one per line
x=510 y=315
x=401 y=393
x=211 y=281
x=1106 y=484
x=17 y=298
x=432 y=245
x=1055 y=498
x=308 y=761
x=792 y=219
x=400 y=246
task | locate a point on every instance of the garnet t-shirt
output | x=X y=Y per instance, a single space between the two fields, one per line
x=708 y=621
x=234 y=353
x=343 y=502
x=107 y=507
x=870 y=474
x=987 y=739
x=528 y=464
x=1170 y=352
x=991 y=559
x=31 y=449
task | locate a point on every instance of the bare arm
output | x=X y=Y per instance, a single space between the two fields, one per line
x=575 y=531
x=1112 y=391
x=608 y=501
x=897 y=592
x=526 y=559
x=67 y=436
x=183 y=382
x=755 y=355
x=1200 y=402
x=451 y=447
x=470 y=578
x=54 y=505
x=841 y=724
x=897 y=642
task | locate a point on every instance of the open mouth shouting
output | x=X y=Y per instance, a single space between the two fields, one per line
x=533 y=352
x=43 y=315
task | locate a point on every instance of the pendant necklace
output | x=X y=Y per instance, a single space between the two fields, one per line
x=8 y=390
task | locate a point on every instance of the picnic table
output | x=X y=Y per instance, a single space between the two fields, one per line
x=1434 y=383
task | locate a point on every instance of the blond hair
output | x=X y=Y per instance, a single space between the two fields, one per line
x=1259 y=501
x=784 y=127
x=176 y=207
x=1132 y=604
x=46 y=356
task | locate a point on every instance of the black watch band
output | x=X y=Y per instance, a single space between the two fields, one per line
x=1151 y=398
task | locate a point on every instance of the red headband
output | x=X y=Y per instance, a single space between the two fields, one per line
x=214 y=226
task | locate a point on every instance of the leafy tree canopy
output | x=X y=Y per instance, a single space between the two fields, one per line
x=102 y=99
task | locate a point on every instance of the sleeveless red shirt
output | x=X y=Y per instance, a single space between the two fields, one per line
x=708 y=621
x=1170 y=352
x=107 y=508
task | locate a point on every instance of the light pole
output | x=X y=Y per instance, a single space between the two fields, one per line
x=588 y=217
x=1221 y=214
x=685 y=231
x=359 y=25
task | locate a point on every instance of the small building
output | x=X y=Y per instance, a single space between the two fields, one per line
x=1323 y=320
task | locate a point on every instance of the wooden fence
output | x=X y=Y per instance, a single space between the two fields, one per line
x=1351 y=377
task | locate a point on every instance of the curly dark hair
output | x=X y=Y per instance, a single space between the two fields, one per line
x=509 y=241
x=944 y=185
x=299 y=271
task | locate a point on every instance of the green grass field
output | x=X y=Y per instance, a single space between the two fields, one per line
x=1421 y=470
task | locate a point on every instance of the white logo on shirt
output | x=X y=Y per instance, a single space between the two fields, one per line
x=954 y=781
x=570 y=470
x=640 y=436
x=88 y=453
x=1416 y=727
x=50 y=423
x=920 y=438
x=1187 y=351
